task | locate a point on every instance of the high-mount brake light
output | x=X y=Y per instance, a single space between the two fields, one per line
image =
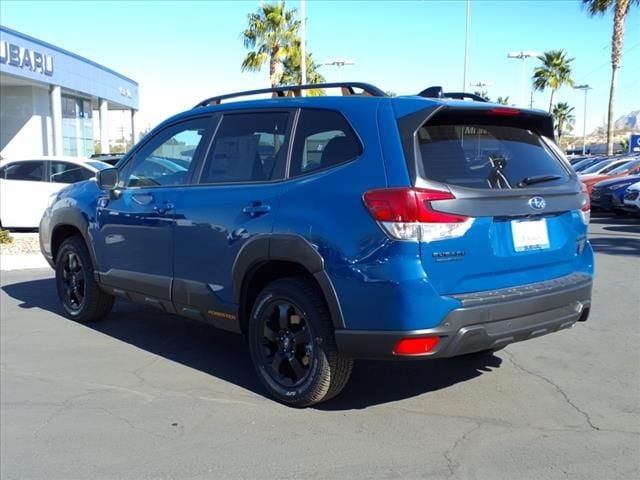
x=585 y=211
x=408 y=214
x=504 y=111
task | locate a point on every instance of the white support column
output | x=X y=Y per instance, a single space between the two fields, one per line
x=56 y=119
x=104 y=125
x=133 y=126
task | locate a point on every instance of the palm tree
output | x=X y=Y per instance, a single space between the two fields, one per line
x=503 y=100
x=292 y=74
x=563 y=119
x=554 y=72
x=482 y=94
x=271 y=33
x=620 y=9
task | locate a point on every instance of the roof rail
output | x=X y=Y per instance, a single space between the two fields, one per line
x=347 y=89
x=437 y=92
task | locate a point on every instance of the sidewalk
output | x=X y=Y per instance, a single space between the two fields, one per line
x=23 y=253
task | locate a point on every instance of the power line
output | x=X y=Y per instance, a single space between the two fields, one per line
x=608 y=62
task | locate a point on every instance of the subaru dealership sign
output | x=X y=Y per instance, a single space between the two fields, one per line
x=634 y=143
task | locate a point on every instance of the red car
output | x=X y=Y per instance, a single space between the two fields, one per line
x=630 y=168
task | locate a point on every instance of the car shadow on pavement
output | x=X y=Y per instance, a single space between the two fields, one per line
x=608 y=219
x=619 y=236
x=226 y=356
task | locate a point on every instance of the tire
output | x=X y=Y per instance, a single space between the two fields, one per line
x=292 y=344
x=81 y=297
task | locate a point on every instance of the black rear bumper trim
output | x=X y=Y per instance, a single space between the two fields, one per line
x=489 y=322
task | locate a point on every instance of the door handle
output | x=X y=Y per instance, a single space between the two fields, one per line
x=162 y=209
x=142 y=198
x=256 y=209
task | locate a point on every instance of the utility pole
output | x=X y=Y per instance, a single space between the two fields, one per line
x=303 y=46
x=481 y=85
x=523 y=55
x=585 y=88
x=339 y=62
x=466 y=46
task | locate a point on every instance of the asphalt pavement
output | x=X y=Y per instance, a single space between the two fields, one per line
x=144 y=395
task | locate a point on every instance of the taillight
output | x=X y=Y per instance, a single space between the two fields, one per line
x=585 y=211
x=408 y=214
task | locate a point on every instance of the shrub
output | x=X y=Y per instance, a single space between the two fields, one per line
x=5 y=237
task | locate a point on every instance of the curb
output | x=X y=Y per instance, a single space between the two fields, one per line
x=22 y=262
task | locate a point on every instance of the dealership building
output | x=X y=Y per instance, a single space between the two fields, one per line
x=50 y=99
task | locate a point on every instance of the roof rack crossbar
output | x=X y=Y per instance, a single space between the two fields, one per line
x=347 y=89
x=438 y=92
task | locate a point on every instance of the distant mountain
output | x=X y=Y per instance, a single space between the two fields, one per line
x=630 y=121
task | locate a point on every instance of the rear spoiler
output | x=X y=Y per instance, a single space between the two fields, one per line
x=438 y=92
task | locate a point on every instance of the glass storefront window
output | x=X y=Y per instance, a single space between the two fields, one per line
x=77 y=127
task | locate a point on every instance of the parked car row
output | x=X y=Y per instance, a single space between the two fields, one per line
x=612 y=182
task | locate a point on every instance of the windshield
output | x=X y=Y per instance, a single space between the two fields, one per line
x=597 y=167
x=625 y=168
x=487 y=156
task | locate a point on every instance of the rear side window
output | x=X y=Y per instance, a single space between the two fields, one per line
x=248 y=147
x=32 y=171
x=487 y=156
x=65 y=172
x=323 y=139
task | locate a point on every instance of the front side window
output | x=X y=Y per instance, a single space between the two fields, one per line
x=65 y=172
x=323 y=139
x=165 y=160
x=248 y=147
x=26 y=171
x=486 y=156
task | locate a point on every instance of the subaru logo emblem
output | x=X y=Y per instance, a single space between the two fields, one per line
x=537 y=203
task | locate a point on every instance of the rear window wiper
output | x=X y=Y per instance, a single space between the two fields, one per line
x=539 y=179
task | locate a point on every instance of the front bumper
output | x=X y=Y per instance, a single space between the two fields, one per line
x=486 y=320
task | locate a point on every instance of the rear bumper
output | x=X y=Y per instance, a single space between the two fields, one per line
x=486 y=320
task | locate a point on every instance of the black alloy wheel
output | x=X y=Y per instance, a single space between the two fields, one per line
x=287 y=351
x=292 y=344
x=82 y=298
x=73 y=279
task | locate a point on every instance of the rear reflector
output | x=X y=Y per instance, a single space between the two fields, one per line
x=415 y=346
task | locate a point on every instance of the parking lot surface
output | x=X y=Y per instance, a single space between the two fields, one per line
x=144 y=395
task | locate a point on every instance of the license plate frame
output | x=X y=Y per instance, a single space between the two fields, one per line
x=530 y=235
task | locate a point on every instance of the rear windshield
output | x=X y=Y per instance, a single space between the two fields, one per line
x=487 y=156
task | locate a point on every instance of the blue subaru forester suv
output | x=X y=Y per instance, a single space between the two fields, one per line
x=327 y=229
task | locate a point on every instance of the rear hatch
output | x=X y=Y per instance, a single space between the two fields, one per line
x=516 y=201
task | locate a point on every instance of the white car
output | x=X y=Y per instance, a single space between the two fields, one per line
x=632 y=198
x=26 y=184
x=602 y=168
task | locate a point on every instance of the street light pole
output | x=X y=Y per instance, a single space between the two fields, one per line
x=586 y=89
x=303 y=47
x=523 y=55
x=466 y=46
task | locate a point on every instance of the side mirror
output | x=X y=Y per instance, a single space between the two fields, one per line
x=107 y=179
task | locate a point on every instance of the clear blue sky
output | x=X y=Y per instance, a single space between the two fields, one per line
x=183 y=51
